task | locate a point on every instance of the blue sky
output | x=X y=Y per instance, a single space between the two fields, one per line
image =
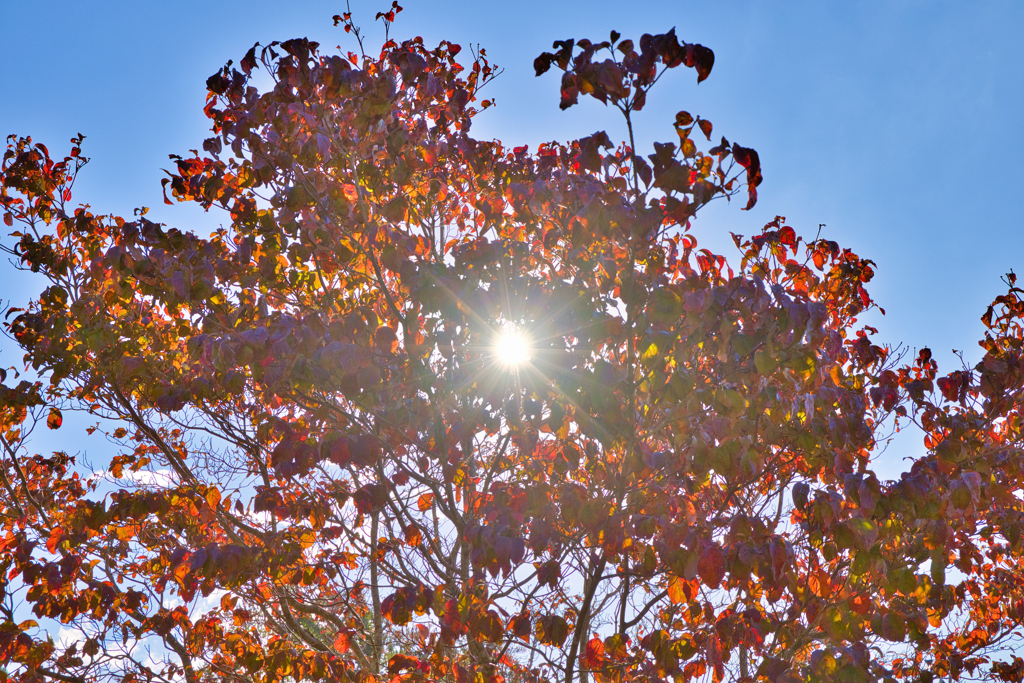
x=897 y=125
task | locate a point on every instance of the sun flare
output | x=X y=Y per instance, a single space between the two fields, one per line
x=512 y=347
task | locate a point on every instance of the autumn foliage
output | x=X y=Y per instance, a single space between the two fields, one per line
x=319 y=470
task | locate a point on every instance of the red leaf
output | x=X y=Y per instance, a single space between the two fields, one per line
x=800 y=493
x=520 y=626
x=365 y=450
x=700 y=58
x=594 y=654
x=711 y=565
x=549 y=573
x=178 y=283
x=543 y=63
x=714 y=652
x=748 y=159
x=54 y=419
x=552 y=630
x=787 y=236
x=401 y=662
x=339 y=452
x=705 y=127
x=386 y=338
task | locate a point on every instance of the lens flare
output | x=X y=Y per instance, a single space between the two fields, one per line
x=512 y=347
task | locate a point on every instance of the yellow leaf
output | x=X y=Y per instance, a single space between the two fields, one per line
x=307 y=538
x=677 y=590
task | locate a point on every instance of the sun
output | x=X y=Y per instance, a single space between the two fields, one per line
x=512 y=347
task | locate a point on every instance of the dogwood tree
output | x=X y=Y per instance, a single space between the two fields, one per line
x=436 y=408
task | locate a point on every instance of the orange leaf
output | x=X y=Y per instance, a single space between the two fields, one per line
x=595 y=652
x=677 y=590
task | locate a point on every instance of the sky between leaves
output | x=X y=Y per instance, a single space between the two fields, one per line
x=897 y=125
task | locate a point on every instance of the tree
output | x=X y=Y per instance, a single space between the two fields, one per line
x=323 y=470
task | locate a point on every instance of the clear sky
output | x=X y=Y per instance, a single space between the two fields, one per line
x=896 y=124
